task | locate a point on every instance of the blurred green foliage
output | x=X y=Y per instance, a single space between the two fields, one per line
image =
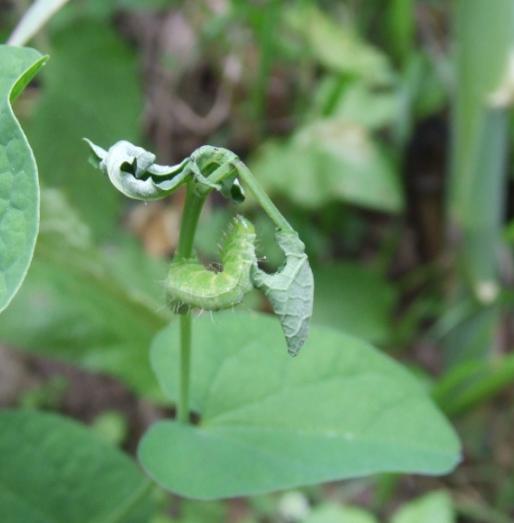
x=84 y=304
x=341 y=109
x=86 y=467
x=107 y=76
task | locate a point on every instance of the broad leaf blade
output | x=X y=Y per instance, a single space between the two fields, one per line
x=19 y=191
x=268 y=422
x=54 y=470
x=330 y=160
x=342 y=300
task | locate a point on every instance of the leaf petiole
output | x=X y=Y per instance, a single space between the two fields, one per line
x=260 y=195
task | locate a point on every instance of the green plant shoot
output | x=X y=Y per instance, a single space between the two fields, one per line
x=133 y=171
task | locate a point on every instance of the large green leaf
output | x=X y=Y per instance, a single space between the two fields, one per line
x=19 y=190
x=52 y=470
x=339 y=410
x=91 y=90
x=98 y=309
x=355 y=299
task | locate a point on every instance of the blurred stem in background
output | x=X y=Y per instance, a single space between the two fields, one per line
x=33 y=20
x=401 y=24
x=484 y=38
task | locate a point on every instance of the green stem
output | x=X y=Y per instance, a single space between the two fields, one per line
x=235 y=164
x=192 y=209
x=264 y=200
x=185 y=367
x=220 y=173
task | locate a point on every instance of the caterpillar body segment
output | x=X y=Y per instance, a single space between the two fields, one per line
x=190 y=284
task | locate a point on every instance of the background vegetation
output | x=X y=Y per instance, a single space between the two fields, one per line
x=381 y=128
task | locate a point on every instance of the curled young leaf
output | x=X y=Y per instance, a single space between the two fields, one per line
x=190 y=284
x=131 y=169
x=290 y=290
x=207 y=160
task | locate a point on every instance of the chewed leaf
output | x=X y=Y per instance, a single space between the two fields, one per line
x=290 y=291
x=131 y=169
x=19 y=190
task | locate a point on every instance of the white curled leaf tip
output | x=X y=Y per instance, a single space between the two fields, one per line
x=290 y=290
x=131 y=169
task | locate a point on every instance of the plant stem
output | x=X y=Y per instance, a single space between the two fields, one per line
x=36 y=16
x=478 y=171
x=253 y=185
x=263 y=199
x=192 y=209
x=185 y=367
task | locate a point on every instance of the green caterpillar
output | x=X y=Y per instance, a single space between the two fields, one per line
x=190 y=284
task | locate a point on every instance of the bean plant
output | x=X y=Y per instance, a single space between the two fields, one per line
x=249 y=419
x=271 y=440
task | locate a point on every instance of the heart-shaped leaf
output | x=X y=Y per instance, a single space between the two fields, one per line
x=19 y=190
x=52 y=470
x=339 y=410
